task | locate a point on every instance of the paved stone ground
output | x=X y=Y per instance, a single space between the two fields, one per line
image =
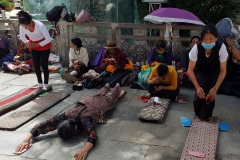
x=124 y=137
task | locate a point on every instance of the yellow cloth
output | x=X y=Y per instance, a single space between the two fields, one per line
x=171 y=77
x=110 y=68
x=144 y=67
x=129 y=65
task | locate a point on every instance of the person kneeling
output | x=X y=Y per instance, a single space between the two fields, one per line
x=163 y=82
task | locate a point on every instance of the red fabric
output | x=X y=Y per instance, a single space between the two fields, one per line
x=143 y=99
x=16 y=97
x=39 y=48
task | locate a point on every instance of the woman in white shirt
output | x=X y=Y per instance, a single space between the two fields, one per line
x=78 y=58
x=39 y=43
x=207 y=69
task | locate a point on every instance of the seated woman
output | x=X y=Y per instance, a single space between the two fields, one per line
x=83 y=116
x=161 y=54
x=78 y=61
x=114 y=59
x=182 y=72
x=231 y=83
x=163 y=82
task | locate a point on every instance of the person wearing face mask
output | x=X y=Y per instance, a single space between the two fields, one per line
x=207 y=70
x=78 y=61
x=182 y=72
x=83 y=116
x=161 y=54
x=39 y=44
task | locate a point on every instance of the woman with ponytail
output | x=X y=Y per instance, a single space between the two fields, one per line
x=39 y=44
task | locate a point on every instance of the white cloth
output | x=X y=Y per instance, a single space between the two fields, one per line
x=40 y=32
x=83 y=56
x=223 y=54
x=17 y=4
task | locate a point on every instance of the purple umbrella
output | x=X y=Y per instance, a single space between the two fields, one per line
x=172 y=15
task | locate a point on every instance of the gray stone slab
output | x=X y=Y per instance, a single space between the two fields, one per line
x=173 y=117
x=228 y=143
x=163 y=153
x=11 y=90
x=10 y=140
x=227 y=157
x=1 y=97
x=5 y=78
x=2 y=86
x=232 y=121
x=150 y=134
x=28 y=126
x=23 y=81
x=15 y=157
x=104 y=150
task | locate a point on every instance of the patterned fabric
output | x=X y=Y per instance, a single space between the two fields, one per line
x=154 y=110
x=86 y=123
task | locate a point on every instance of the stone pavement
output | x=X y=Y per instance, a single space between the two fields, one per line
x=124 y=137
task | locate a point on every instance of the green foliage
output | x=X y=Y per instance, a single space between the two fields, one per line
x=143 y=9
x=6 y=3
x=209 y=11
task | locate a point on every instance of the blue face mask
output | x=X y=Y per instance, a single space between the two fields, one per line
x=208 y=46
x=75 y=48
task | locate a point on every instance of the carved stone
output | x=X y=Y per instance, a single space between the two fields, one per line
x=195 y=33
x=140 y=32
x=90 y=30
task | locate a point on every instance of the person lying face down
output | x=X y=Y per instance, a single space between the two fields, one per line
x=84 y=116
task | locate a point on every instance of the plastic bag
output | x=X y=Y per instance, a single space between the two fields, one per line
x=144 y=75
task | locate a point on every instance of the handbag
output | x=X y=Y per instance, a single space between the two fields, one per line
x=84 y=16
x=52 y=32
x=154 y=110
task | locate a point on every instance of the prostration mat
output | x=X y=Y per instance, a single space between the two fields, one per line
x=30 y=110
x=202 y=138
x=17 y=99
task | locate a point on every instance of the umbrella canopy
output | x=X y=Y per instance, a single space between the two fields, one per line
x=224 y=28
x=172 y=15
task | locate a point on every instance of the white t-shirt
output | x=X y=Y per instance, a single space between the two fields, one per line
x=40 y=32
x=83 y=56
x=223 y=54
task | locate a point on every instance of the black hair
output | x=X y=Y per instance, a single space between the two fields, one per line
x=24 y=17
x=209 y=29
x=161 y=44
x=77 y=41
x=162 y=70
x=66 y=129
x=195 y=37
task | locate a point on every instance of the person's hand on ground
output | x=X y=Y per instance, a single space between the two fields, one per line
x=80 y=155
x=22 y=146
x=200 y=92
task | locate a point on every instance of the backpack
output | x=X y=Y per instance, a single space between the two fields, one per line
x=54 y=15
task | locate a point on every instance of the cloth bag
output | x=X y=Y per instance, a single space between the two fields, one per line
x=154 y=110
x=84 y=16
x=144 y=75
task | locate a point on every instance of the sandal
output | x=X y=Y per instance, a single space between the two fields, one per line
x=182 y=100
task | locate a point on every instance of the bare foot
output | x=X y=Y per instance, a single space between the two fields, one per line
x=147 y=95
x=117 y=85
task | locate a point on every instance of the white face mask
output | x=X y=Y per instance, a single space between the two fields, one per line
x=161 y=52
